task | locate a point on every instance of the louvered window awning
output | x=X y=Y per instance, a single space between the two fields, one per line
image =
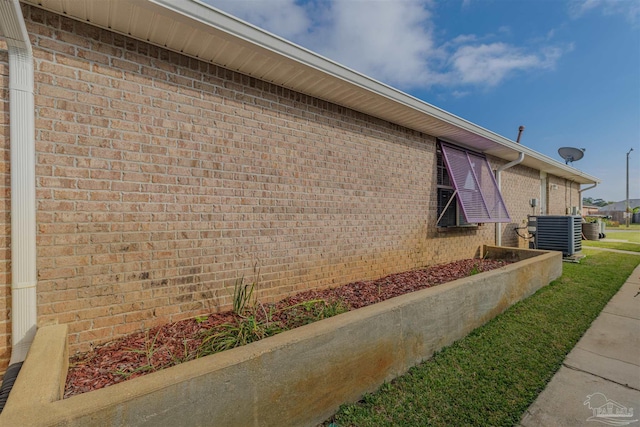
x=475 y=185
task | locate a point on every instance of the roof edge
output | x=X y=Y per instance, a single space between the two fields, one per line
x=248 y=32
x=197 y=13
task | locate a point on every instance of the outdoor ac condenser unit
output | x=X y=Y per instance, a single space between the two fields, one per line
x=559 y=233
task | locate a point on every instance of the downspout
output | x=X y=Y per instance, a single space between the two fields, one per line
x=580 y=193
x=23 y=189
x=499 y=183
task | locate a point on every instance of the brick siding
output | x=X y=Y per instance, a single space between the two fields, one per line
x=519 y=185
x=162 y=179
x=563 y=195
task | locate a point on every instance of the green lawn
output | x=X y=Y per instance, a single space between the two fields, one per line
x=492 y=376
x=623 y=226
x=631 y=236
x=632 y=239
x=623 y=246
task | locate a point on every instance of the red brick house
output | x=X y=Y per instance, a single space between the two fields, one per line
x=590 y=210
x=176 y=148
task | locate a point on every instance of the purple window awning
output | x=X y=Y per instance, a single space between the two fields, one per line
x=475 y=185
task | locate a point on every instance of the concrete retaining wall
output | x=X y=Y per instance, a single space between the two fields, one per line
x=299 y=377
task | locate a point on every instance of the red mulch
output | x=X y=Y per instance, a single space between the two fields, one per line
x=163 y=346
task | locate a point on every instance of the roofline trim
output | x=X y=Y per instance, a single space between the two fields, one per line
x=214 y=17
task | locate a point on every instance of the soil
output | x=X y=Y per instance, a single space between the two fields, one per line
x=167 y=345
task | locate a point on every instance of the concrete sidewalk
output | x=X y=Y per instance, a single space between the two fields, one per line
x=601 y=372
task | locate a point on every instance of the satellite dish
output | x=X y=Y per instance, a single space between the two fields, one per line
x=570 y=154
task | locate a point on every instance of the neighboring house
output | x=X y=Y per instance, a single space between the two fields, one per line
x=620 y=206
x=178 y=148
x=590 y=210
x=616 y=210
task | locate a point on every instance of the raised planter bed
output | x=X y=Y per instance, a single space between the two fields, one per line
x=299 y=377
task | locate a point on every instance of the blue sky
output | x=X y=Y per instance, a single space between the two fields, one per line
x=569 y=71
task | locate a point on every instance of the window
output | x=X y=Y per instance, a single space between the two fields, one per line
x=452 y=216
x=467 y=190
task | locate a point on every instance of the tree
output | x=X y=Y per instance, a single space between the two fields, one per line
x=589 y=201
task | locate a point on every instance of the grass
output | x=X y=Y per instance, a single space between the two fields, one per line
x=623 y=226
x=255 y=322
x=632 y=243
x=311 y=311
x=631 y=236
x=490 y=377
x=231 y=335
x=622 y=246
x=249 y=327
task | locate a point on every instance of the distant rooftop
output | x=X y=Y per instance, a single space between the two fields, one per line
x=620 y=206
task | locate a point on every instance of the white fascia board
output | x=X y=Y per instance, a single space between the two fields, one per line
x=197 y=13
x=213 y=17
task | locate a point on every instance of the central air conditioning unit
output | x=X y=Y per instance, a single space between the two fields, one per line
x=557 y=233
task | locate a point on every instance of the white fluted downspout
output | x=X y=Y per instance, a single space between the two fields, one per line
x=499 y=183
x=23 y=182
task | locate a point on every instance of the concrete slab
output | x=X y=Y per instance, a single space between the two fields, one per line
x=614 y=370
x=635 y=278
x=562 y=403
x=612 y=336
x=625 y=302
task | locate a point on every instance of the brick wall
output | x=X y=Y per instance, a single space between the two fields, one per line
x=519 y=185
x=562 y=195
x=161 y=180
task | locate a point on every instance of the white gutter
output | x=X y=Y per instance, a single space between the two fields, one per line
x=580 y=193
x=211 y=17
x=499 y=183
x=307 y=68
x=23 y=182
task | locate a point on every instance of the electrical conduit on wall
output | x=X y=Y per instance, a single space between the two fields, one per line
x=23 y=189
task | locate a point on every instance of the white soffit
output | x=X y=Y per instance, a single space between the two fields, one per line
x=203 y=32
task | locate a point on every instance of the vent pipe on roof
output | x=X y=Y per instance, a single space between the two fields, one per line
x=520 y=130
x=23 y=189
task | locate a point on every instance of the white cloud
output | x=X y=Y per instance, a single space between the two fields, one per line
x=580 y=7
x=491 y=63
x=282 y=17
x=460 y=93
x=393 y=42
x=630 y=9
x=464 y=38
